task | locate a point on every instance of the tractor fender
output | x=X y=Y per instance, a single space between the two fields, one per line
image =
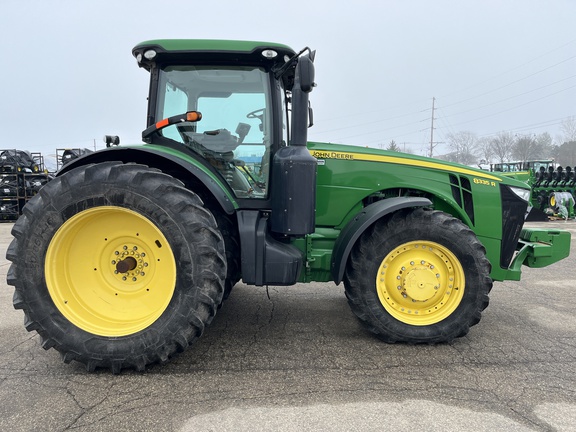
x=181 y=163
x=364 y=219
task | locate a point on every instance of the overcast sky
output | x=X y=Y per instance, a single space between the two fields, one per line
x=68 y=76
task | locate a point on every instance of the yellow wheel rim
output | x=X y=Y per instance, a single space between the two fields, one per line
x=420 y=283
x=110 y=271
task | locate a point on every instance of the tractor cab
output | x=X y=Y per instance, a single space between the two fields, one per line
x=239 y=94
x=241 y=109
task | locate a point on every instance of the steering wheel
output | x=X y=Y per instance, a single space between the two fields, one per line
x=259 y=113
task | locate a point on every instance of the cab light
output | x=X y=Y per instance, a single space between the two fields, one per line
x=269 y=54
x=150 y=54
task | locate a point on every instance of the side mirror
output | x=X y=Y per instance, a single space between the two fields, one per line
x=305 y=69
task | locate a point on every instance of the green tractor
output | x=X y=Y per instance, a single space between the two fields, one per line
x=125 y=257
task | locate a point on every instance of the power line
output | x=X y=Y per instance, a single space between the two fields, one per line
x=509 y=84
x=512 y=97
x=513 y=69
x=513 y=108
x=356 y=125
x=376 y=131
x=552 y=122
x=443 y=118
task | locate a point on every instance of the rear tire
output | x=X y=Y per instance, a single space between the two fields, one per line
x=116 y=266
x=419 y=276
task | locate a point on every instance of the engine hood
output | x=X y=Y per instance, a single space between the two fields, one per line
x=327 y=151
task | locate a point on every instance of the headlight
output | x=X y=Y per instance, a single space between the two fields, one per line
x=523 y=194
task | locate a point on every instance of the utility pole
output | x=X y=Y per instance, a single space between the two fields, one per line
x=432 y=142
x=432 y=129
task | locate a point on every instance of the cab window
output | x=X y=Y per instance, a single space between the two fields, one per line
x=234 y=134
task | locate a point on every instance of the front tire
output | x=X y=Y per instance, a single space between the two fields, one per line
x=419 y=276
x=116 y=266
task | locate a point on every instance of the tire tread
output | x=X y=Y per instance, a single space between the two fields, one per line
x=361 y=292
x=198 y=236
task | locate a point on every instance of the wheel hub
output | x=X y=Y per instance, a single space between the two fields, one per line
x=421 y=283
x=129 y=263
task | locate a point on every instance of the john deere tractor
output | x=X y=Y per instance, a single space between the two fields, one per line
x=125 y=257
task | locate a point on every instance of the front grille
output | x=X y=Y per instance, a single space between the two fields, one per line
x=513 y=213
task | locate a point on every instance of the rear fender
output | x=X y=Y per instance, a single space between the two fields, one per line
x=178 y=164
x=356 y=227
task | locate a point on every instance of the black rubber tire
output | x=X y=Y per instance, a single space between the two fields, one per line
x=192 y=234
x=405 y=226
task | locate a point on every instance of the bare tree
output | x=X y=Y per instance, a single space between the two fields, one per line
x=565 y=154
x=544 y=142
x=568 y=127
x=463 y=145
x=484 y=150
x=502 y=145
x=527 y=147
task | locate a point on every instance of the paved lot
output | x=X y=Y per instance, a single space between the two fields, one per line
x=300 y=361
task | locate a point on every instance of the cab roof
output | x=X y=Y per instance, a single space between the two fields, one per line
x=196 y=50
